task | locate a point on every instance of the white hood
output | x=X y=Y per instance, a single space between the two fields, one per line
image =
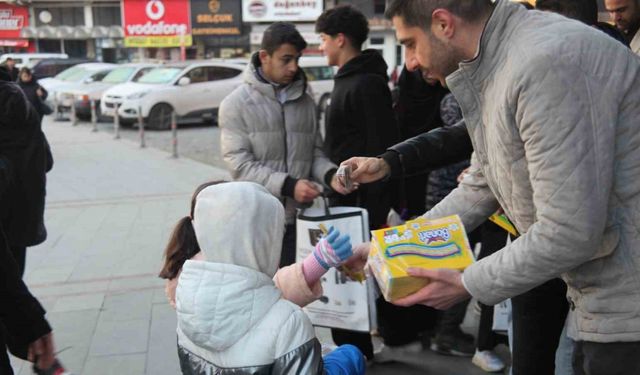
x=240 y=223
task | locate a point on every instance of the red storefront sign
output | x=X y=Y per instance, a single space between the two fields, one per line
x=12 y=20
x=156 y=23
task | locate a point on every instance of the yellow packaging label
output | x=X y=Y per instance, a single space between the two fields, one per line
x=421 y=243
x=503 y=222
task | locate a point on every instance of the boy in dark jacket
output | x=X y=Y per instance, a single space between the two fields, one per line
x=360 y=119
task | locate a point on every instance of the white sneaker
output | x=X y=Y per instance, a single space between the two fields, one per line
x=394 y=353
x=488 y=361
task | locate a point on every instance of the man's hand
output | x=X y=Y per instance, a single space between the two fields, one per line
x=39 y=92
x=337 y=186
x=42 y=350
x=305 y=191
x=444 y=290
x=358 y=260
x=366 y=170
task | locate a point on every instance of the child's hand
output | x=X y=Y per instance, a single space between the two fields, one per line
x=333 y=250
x=358 y=261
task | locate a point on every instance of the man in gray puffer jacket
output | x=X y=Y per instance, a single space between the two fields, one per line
x=269 y=130
x=551 y=106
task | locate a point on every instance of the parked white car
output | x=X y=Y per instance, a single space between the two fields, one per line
x=192 y=89
x=30 y=59
x=85 y=93
x=72 y=78
x=319 y=77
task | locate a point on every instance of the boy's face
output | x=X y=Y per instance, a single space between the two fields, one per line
x=282 y=66
x=330 y=47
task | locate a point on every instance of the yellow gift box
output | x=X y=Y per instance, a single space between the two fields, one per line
x=421 y=243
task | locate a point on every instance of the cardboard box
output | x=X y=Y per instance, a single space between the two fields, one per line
x=440 y=243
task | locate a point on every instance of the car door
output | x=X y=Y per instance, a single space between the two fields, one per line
x=189 y=98
x=221 y=82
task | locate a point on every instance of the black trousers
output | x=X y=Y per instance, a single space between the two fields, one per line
x=615 y=358
x=494 y=238
x=538 y=318
x=288 y=255
x=20 y=255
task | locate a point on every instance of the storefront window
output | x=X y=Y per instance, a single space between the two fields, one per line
x=106 y=15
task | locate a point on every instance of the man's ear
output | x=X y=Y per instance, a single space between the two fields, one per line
x=443 y=23
x=341 y=39
x=263 y=55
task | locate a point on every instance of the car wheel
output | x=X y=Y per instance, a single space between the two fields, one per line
x=160 y=117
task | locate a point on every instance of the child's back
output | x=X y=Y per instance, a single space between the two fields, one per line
x=233 y=317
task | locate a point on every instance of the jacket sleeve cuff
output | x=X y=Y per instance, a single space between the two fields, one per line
x=289 y=187
x=329 y=176
x=392 y=158
x=473 y=283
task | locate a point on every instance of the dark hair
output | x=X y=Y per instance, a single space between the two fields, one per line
x=347 y=20
x=183 y=243
x=417 y=13
x=585 y=11
x=280 y=33
x=8 y=59
x=25 y=70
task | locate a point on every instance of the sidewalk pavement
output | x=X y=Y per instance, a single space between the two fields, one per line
x=111 y=207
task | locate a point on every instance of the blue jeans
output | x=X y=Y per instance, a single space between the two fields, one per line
x=345 y=360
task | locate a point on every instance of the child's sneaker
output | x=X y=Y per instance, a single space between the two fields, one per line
x=488 y=361
x=55 y=369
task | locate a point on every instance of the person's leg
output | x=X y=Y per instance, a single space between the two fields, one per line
x=449 y=338
x=615 y=358
x=288 y=255
x=5 y=363
x=344 y=360
x=20 y=255
x=361 y=340
x=538 y=319
x=403 y=325
x=564 y=354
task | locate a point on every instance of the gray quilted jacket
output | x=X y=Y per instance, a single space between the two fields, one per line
x=264 y=141
x=553 y=111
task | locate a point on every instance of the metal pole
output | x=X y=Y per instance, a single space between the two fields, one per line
x=116 y=123
x=56 y=111
x=74 y=116
x=94 y=117
x=174 y=134
x=141 y=128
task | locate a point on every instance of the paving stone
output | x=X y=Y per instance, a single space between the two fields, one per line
x=82 y=302
x=162 y=357
x=132 y=364
x=120 y=337
x=127 y=306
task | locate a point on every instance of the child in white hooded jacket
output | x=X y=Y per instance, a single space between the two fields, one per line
x=237 y=313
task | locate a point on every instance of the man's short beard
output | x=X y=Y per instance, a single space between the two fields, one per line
x=447 y=57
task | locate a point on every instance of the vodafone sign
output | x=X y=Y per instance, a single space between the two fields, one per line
x=156 y=23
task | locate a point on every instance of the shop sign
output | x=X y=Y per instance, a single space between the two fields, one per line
x=281 y=10
x=156 y=23
x=12 y=20
x=216 y=17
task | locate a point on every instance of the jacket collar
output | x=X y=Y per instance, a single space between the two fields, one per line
x=251 y=76
x=495 y=35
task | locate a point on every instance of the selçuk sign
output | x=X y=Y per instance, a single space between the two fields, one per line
x=156 y=23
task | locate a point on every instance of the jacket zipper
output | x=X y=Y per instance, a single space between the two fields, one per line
x=284 y=125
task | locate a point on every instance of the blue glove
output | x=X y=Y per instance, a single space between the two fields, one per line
x=333 y=250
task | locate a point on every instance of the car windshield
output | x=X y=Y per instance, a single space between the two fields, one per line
x=119 y=75
x=160 y=75
x=74 y=74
